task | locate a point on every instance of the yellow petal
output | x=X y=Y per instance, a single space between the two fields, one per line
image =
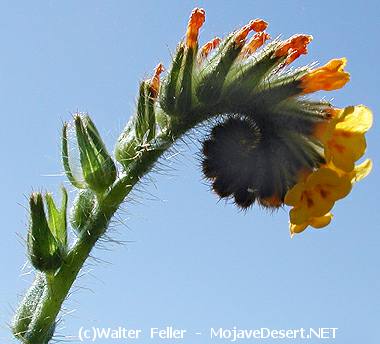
x=318 y=207
x=361 y=171
x=295 y=229
x=322 y=175
x=355 y=119
x=345 y=148
x=293 y=196
x=322 y=221
x=342 y=189
x=299 y=215
x=316 y=222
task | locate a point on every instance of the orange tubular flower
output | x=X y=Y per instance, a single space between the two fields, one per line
x=206 y=49
x=294 y=47
x=257 y=41
x=155 y=81
x=197 y=18
x=329 y=77
x=257 y=25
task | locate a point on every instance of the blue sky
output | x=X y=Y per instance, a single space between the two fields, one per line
x=190 y=261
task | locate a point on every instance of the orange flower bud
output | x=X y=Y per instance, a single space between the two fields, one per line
x=197 y=18
x=155 y=81
x=329 y=77
x=294 y=47
x=205 y=50
x=257 y=25
x=255 y=43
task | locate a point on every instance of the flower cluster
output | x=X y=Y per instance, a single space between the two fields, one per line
x=271 y=145
x=344 y=143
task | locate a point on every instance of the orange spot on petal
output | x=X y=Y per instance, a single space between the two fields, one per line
x=336 y=146
x=324 y=193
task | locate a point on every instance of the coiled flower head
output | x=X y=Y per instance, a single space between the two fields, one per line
x=269 y=137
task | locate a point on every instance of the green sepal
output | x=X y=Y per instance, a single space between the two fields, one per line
x=169 y=88
x=145 y=124
x=185 y=92
x=246 y=78
x=45 y=252
x=212 y=76
x=65 y=160
x=57 y=218
x=163 y=120
x=98 y=168
x=81 y=211
x=126 y=146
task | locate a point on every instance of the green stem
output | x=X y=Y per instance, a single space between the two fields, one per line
x=41 y=326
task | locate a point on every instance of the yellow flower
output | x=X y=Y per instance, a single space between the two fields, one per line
x=357 y=174
x=361 y=171
x=316 y=196
x=313 y=198
x=315 y=222
x=343 y=138
x=329 y=77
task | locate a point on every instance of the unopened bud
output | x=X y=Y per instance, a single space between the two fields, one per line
x=98 y=168
x=83 y=206
x=44 y=250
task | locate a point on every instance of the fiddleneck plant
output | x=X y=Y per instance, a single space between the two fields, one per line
x=268 y=145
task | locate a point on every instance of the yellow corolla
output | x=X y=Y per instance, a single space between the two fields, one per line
x=315 y=222
x=343 y=138
x=329 y=77
x=315 y=196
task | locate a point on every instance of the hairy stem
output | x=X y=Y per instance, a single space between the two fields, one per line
x=56 y=287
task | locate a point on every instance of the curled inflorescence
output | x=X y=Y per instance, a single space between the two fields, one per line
x=270 y=141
